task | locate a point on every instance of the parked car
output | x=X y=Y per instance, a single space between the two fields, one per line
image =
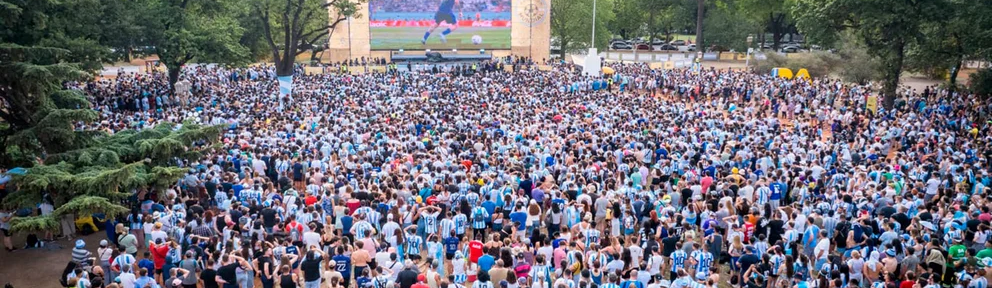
x=667 y=47
x=790 y=49
x=678 y=43
x=620 y=46
x=644 y=47
x=691 y=47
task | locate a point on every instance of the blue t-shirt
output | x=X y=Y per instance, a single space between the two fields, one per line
x=147 y=264
x=486 y=262
x=346 y=223
x=519 y=217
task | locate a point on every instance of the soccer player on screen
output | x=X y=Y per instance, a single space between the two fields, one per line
x=444 y=14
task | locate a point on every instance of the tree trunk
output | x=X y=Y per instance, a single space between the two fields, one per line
x=893 y=69
x=953 y=79
x=173 y=77
x=284 y=67
x=561 y=49
x=127 y=54
x=700 y=10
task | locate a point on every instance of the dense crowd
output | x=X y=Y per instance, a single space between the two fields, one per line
x=551 y=179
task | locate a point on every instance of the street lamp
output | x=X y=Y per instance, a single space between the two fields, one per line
x=747 y=57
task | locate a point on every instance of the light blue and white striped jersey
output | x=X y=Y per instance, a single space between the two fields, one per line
x=430 y=222
x=776 y=261
x=979 y=282
x=610 y=285
x=447 y=226
x=472 y=198
x=479 y=216
x=460 y=223
x=678 y=260
x=704 y=260
x=763 y=193
x=251 y=194
x=413 y=244
x=592 y=236
x=362 y=228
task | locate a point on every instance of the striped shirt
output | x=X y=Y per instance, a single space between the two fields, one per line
x=678 y=260
x=479 y=216
x=447 y=226
x=362 y=228
x=251 y=194
x=460 y=223
x=762 y=194
x=703 y=261
x=430 y=222
x=776 y=261
x=413 y=244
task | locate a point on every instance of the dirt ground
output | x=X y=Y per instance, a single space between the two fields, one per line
x=41 y=267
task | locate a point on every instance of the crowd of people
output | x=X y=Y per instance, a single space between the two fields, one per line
x=546 y=178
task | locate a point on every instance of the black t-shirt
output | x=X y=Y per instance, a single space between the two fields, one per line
x=668 y=245
x=208 y=278
x=211 y=188
x=406 y=278
x=269 y=217
x=902 y=218
x=311 y=269
x=775 y=230
x=228 y=272
x=747 y=260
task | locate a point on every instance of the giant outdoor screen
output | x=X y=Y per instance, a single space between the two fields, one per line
x=439 y=24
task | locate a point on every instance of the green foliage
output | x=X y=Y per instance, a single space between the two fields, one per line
x=886 y=27
x=34 y=224
x=856 y=65
x=290 y=28
x=200 y=31
x=727 y=26
x=96 y=178
x=818 y=64
x=962 y=33
x=571 y=24
x=981 y=83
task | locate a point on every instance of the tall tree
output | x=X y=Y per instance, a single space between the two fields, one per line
x=292 y=27
x=772 y=15
x=886 y=27
x=48 y=129
x=630 y=17
x=700 y=15
x=182 y=31
x=121 y=30
x=962 y=33
x=571 y=24
x=727 y=26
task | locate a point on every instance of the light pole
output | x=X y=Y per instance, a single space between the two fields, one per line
x=747 y=57
x=592 y=43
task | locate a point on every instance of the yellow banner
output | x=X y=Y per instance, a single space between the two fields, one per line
x=872 y=104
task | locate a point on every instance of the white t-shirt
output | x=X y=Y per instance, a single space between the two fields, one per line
x=127 y=280
x=823 y=245
x=159 y=234
x=932 y=186
x=311 y=238
x=636 y=252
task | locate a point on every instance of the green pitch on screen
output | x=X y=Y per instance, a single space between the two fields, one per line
x=391 y=38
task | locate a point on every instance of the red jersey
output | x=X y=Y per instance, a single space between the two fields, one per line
x=474 y=251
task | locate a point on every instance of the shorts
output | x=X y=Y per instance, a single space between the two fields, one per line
x=6 y=232
x=445 y=16
x=449 y=256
